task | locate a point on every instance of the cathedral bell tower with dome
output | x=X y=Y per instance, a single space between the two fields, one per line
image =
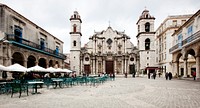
x=75 y=41
x=146 y=38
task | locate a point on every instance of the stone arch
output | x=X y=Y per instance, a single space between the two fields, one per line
x=147 y=44
x=50 y=63
x=198 y=51
x=191 y=52
x=57 y=65
x=74 y=28
x=147 y=27
x=18 y=57
x=31 y=61
x=42 y=62
x=178 y=56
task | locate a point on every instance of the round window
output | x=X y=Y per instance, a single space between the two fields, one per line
x=87 y=59
x=132 y=59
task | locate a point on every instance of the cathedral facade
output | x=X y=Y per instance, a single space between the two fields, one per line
x=108 y=51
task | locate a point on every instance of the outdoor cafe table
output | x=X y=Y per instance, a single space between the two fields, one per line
x=57 y=81
x=35 y=83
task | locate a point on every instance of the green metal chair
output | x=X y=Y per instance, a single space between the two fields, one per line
x=19 y=87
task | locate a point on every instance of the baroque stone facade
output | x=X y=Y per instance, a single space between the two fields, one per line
x=108 y=51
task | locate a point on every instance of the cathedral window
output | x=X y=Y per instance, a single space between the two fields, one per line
x=87 y=59
x=147 y=27
x=74 y=27
x=147 y=44
x=131 y=59
x=74 y=43
x=109 y=41
x=147 y=16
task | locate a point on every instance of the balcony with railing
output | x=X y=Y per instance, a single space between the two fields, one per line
x=18 y=41
x=194 y=37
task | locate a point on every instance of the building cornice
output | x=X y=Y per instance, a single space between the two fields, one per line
x=145 y=33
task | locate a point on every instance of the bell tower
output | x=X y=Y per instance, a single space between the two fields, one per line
x=75 y=42
x=145 y=39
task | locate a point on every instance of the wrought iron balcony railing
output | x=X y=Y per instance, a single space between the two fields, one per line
x=188 y=40
x=31 y=45
x=192 y=38
x=175 y=47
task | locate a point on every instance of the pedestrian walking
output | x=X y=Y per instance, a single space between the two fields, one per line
x=166 y=75
x=126 y=75
x=154 y=75
x=194 y=75
x=149 y=75
x=170 y=75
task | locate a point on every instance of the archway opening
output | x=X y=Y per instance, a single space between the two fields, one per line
x=18 y=58
x=42 y=62
x=31 y=61
x=51 y=63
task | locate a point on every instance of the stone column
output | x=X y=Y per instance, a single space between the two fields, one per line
x=81 y=63
x=177 y=68
x=47 y=65
x=137 y=65
x=197 y=68
x=123 y=65
x=148 y=74
x=185 y=67
x=36 y=63
x=93 y=72
x=91 y=67
x=115 y=68
x=97 y=67
x=25 y=63
x=104 y=70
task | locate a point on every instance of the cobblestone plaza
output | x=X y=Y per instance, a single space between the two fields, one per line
x=121 y=93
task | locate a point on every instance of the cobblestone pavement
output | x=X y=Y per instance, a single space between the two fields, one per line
x=121 y=93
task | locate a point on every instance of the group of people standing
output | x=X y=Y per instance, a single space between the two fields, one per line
x=168 y=75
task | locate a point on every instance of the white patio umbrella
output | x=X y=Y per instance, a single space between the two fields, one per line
x=51 y=69
x=3 y=68
x=59 y=70
x=36 y=69
x=16 y=68
x=67 y=70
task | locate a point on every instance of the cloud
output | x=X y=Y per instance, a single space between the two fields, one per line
x=53 y=16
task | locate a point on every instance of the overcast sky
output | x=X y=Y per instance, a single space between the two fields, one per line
x=53 y=15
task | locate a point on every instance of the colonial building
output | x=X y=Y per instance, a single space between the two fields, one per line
x=24 y=42
x=164 y=39
x=146 y=38
x=107 y=51
x=186 y=44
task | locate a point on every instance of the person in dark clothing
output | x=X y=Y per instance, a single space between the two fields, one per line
x=170 y=75
x=125 y=75
x=166 y=75
x=149 y=75
x=194 y=75
x=154 y=75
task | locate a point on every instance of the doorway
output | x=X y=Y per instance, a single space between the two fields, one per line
x=109 y=67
